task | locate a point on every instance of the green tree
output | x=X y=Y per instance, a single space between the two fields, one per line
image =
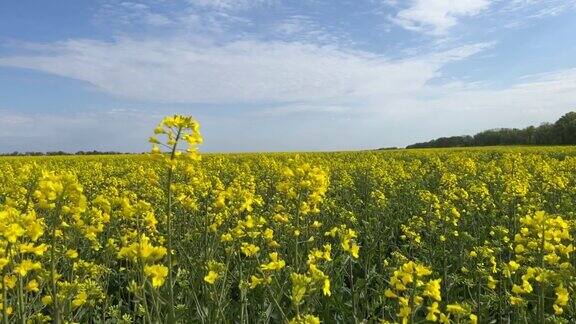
x=565 y=129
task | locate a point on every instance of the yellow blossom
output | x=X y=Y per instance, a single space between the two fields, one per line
x=211 y=277
x=80 y=299
x=157 y=274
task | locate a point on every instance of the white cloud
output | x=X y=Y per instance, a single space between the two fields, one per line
x=393 y=119
x=538 y=94
x=230 y=4
x=245 y=71
x=437 y=16
x=102 y=130
x=127 y=13
x=540 y=8
x=303 y=28
x=298 y=109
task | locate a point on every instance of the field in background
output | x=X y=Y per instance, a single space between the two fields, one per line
x=452 y=235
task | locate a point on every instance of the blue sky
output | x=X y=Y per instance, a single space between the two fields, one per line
x=279 y=75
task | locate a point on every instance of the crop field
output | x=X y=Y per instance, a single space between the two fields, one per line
x=406 y=236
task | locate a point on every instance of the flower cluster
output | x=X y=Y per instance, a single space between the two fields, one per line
x=410 y=286
x=542 y=259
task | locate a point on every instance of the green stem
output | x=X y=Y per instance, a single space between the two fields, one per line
x=242 y=298
x=221 y=296
x=54 y=291
x=21 y=313
x=353 y=292
x=171 y=313
x=144 y=298
x=542 y=286
x=5 y=293
x=411 y=301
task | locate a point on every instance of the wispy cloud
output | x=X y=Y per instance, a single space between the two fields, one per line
x=305 y=29
x=231 y=4
x=182 y=17
x=242 y=71
x=539 y=8
x=437 y=16
x=536 y=94
x=99 y=130
x=125 y=13
x=389 y=120
x=300 y=109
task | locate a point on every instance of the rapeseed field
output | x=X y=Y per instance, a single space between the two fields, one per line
x=400 y=236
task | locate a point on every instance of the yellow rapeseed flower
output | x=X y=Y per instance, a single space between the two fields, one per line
x=157 y=274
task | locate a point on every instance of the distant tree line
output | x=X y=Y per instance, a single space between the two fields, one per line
x=53 y=153
x=562 y=132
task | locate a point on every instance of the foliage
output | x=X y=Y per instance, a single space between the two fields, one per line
x=562 y=132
